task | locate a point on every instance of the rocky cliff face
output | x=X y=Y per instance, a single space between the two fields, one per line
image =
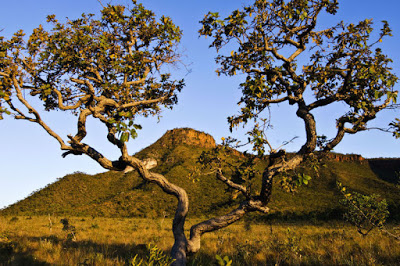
x=345 y=157
x=187 y=136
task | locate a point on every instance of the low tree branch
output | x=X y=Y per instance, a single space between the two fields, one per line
x=216 y=223
x=230 y=183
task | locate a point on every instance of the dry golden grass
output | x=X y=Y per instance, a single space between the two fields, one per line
x=106 y=241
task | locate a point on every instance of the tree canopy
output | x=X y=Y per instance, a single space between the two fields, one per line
x=344 y=64
x=110 y=68
x=270 y=40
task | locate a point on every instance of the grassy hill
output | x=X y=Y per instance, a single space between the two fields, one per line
x=114 y=194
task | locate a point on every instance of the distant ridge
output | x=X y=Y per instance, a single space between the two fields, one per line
x=345 y=157
x=115 y=194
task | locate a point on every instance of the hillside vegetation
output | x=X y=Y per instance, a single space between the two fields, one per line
x=115 y=194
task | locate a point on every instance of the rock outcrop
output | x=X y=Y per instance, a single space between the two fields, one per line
x=186 y=136
x=345 y=157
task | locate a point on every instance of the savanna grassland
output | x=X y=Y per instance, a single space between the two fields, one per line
x=118 y=219
x=41 y=240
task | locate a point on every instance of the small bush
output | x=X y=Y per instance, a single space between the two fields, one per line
x=14 y=219
x=71 y=230
x=223 y=261
x=366 y=212
x=156 y=257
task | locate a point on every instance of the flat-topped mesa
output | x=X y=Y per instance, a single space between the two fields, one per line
x=345 y=157
x=186 y=136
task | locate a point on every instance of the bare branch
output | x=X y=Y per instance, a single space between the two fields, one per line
x=296 y=53
x=66 y=107
x=230 y=183
x=81 y=134
x=4 y=74
x=84 y=82
x=137 y=82
x=267 y=101
x=20 y=115
x=144 y=102
x=326 y=101
x=78 y=147
x=37 y=116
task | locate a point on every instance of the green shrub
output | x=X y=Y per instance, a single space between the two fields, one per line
x=363 y=211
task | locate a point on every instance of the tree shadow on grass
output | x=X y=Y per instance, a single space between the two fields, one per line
x=10 y=254
x=89 y=248
x=200 y=258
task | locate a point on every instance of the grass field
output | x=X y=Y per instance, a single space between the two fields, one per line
x=41 y=240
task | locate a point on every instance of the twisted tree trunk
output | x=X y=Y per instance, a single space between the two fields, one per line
x=179 y=249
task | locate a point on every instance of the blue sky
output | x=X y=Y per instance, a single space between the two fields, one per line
x=30 y=159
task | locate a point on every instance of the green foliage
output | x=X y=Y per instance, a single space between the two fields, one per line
x=288 y=248
x=156 y=257
x=395 y=127
x=94 y=226
x=366 y=212
x=291 y=181
x=223 y=261
x=136 y=262
x=114 y=65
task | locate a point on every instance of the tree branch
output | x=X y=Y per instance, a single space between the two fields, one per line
x=144 y=102
x=37 y=116
x=216 y=223
x=230 y=183
x=4 y=74
x=137 y=82
x=69 y=107
x=84 y=82
x=326 y=101
x=82 y=148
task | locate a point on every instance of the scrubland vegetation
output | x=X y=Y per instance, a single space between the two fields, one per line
x=40 y=240
x=304 y=228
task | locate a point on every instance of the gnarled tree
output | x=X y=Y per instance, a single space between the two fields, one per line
x=111 y=69
x=343 y=66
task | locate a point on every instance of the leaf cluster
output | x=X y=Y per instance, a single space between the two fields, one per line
x=291 y=181
x=395 y=127
x=156 y=257
x=223 y=261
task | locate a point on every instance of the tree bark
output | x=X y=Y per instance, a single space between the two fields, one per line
x=178 y=252
x=179 y=249
x=220 y=222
